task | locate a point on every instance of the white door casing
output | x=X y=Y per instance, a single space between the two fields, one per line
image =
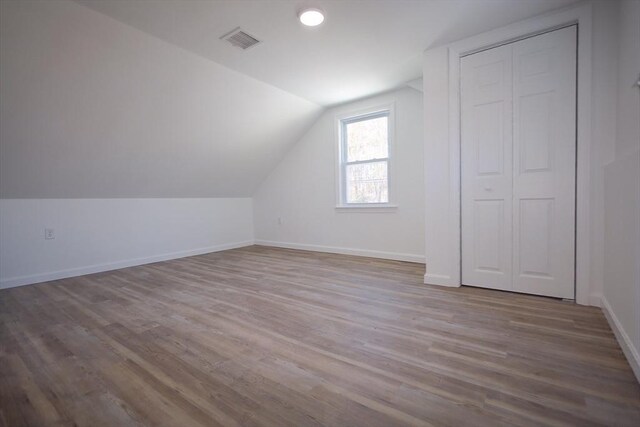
x=518 y=221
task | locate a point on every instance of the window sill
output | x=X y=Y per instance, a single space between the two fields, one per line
x=386 y=208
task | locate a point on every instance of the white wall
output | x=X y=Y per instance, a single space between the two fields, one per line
x=621 y=296
x=440 y=201
x=439 y=241
x=604 y=60
x=111 y=137
x=93 y=108
x=301 y=191
x=94 y=235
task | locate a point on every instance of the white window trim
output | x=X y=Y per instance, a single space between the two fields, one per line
x=352 y=116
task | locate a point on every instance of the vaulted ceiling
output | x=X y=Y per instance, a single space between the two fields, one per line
x=140 y=98
x=363 y=47
x=93 y=108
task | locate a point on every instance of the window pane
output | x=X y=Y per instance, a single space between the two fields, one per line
x=367 y=139
x=367 y=183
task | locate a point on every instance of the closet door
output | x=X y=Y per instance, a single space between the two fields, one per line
x=486 y=155
x=544 y=157
x=518 y=120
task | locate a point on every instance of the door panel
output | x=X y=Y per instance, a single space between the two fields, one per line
x=489 y=142
x=544 y=112
x=488 y=236
x=535 y=132
x=486 y=82
x=518 y=115
x=536 y=225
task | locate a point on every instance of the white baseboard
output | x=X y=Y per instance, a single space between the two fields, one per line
x=344 y=251
x=439 y=280
x=97 y=268
x=625 y=342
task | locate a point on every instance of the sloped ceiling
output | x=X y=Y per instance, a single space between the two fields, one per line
x=93 y=108
x=363 y=47
x=140 y=98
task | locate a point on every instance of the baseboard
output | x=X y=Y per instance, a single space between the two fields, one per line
x=344 y=251
x=97 y=268
x=625 y=342
x=440 y=280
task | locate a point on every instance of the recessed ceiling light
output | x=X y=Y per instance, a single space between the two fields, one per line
x=311 y=17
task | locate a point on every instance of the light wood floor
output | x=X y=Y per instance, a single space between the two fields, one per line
x=262 y=336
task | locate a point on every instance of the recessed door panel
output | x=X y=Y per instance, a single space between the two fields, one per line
x=536 y=132
x=489 y=138
x=534 y=63
x=536 y=237
x=489 y=236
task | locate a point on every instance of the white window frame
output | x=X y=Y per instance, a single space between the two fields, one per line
x=342 y=120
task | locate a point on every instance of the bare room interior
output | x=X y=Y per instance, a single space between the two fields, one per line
x=319 y=213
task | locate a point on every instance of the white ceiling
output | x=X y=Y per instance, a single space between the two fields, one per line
x=363 y=47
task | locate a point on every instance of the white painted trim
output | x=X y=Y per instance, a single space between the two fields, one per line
x=582 y=15
x=344 y=251
x=623 y=338
x=440 y=280
x=98 y=268
x=373 y=208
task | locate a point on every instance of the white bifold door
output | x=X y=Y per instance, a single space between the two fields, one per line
x=518 y=153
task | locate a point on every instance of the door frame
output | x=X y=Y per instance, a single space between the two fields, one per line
x=582 y=17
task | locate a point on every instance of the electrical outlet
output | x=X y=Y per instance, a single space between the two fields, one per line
x=49 y=234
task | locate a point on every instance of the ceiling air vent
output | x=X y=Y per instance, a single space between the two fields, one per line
x=240 y=39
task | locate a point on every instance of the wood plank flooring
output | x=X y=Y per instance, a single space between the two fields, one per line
x=274 y=337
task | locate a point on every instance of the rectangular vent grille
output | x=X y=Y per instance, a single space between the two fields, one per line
x=239 y=38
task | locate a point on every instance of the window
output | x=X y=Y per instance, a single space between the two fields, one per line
x=365 y=142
